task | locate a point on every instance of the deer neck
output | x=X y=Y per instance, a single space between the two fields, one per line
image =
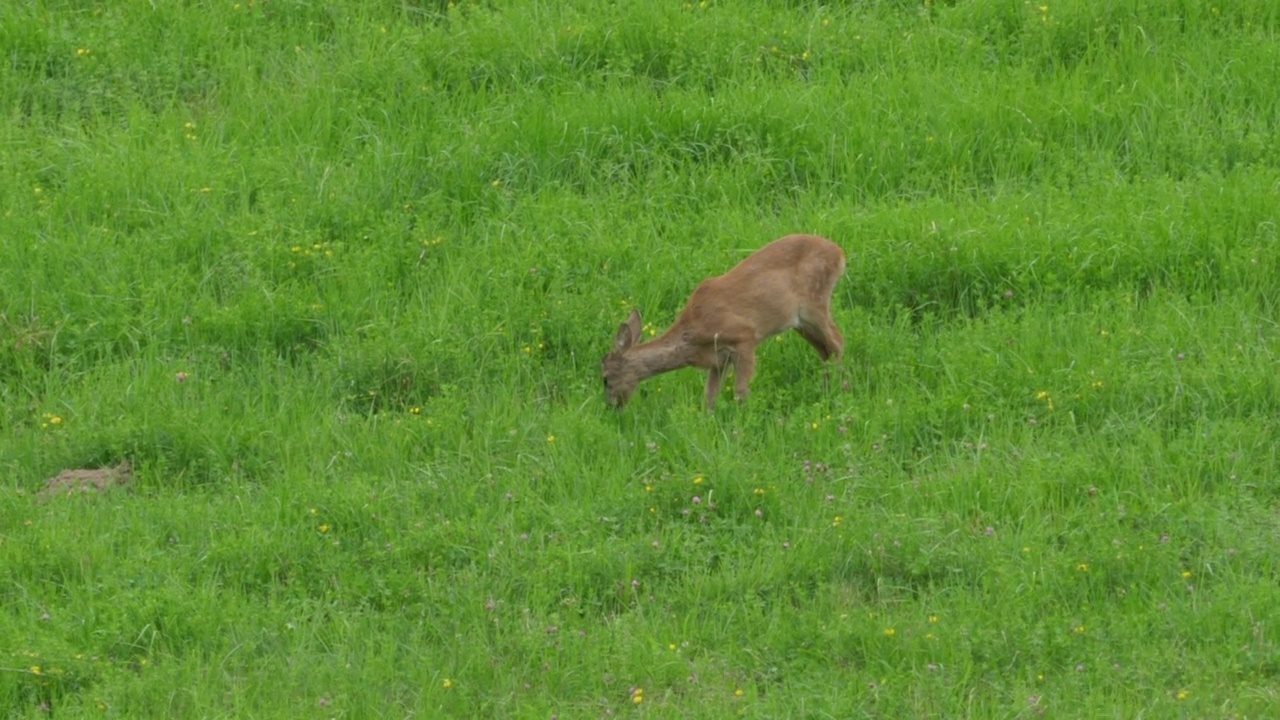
x=663 y=354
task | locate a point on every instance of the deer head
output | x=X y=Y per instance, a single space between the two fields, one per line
x=620 y=374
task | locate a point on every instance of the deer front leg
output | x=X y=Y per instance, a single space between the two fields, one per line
x=744 y=369
x=715 y=379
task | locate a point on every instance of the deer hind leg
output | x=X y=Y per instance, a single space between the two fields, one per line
x=815 y=324
x=824 y=336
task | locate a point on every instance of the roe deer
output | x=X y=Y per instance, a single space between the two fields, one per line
x=785 y=285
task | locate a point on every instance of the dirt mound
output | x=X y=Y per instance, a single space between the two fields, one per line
x=70 y=482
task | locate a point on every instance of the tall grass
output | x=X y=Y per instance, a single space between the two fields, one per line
x=336 y=278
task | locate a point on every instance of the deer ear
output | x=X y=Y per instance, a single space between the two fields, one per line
x=628 y=332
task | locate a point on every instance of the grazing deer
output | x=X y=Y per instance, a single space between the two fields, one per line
x=785 y=285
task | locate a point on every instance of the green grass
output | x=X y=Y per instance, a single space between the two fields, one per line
x=336 y=277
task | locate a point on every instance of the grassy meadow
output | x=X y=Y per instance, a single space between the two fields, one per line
x=336 y=276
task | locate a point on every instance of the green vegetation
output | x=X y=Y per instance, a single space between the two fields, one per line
x=335 y=276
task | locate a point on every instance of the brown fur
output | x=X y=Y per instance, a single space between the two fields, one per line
x=786 y=285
